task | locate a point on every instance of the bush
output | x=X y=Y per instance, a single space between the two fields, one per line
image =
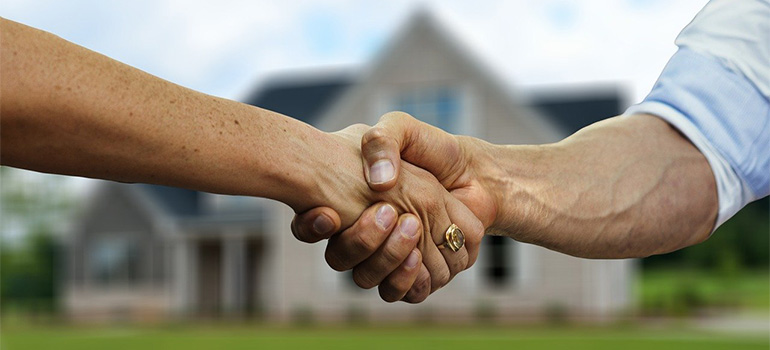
x=303 y=316
x=485 y=312
x=556 y=314
x=356 y=315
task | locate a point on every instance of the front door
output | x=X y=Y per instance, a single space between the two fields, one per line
x=210 y=277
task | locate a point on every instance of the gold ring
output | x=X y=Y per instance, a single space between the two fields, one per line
x=455 y=238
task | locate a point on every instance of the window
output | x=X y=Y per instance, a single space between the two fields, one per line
x=114 y=260
x=499 y=262
x=438 y=106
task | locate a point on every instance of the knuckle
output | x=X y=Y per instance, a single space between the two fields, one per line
x=359 y=127
x=363 y=242
x=432 y=206
x=396 y=115
x=419 y=290
x=392 y=290
x=392 y=254
x=364 y=223
x=464 y=262
x=336 y=261
x=439 y=279
x=364 y=278
x=297 y=229
x=374 y=135
x=477 y=233
x=459 y=264
x=376 y=142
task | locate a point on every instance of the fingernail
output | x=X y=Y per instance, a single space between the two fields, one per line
x=322 y=225
x=412 y=260
x=409 y=227
x=381 y=171
x=385 y=217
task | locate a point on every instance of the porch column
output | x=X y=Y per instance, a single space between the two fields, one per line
x=183 y=289
x=233 y=273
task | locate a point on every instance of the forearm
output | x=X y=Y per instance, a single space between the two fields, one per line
x=69 y=110
x=625 y=187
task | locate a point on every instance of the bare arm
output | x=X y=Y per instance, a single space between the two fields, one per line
x=68 y=110
x=624 y=187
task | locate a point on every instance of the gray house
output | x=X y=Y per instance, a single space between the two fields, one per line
x=147 y=252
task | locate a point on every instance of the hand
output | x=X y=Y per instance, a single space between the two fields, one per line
x=363 y=246
x=446 y=156
x=453 y=160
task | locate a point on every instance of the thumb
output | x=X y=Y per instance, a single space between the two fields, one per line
x=398 y=135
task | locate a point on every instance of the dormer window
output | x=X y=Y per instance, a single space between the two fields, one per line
x=441 y=106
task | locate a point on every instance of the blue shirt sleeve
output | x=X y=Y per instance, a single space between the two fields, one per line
x=725 y=116
x=715 y=90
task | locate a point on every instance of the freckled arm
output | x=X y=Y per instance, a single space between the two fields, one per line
x=68 y=110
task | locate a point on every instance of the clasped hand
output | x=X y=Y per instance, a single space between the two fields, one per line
x=396 y=241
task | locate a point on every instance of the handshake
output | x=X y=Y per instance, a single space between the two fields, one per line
x=410 y=221
x=421 y=218
x=429 y=197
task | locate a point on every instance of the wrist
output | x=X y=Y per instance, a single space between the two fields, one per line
x=480 y=183
x=332 y=176
x=518 y=178
x=291 y=167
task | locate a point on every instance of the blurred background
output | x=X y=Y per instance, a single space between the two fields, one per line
x=85 y=262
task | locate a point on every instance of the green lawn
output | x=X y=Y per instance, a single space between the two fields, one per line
x=662 y=292
x=390 y=338
x=681 y=291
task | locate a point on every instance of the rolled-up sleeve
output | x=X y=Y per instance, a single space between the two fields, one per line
x=716 y=91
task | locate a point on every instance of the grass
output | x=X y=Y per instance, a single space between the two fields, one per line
x=662 y=290
x=679 y=291
x=391 y=338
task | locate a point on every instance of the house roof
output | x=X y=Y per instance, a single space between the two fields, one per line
x=573 y=112
x=306 y=100
x=303 y=99
x=307 y=96
x=178 y=202
x=187 y=207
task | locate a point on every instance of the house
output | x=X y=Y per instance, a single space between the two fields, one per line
x=152 y=252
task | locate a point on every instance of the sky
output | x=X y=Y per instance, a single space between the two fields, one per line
x=227 y=47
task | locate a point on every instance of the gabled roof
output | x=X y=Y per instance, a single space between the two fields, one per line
x=573 y=112
x=569 y=111
x=307 y=97
x=186 y=207
x=300 y=98
x=178 y=202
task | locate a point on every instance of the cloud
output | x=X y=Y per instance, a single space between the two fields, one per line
x=223 y=47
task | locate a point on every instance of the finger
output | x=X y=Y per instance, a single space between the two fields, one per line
x=473 y=232
x=364 y=237
x=400 y=281
x=437 y=265
x=443 y=264
x=390 y=254
x=398 y=135
x=315 y=224
x=381 y=153
x=420 y=289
